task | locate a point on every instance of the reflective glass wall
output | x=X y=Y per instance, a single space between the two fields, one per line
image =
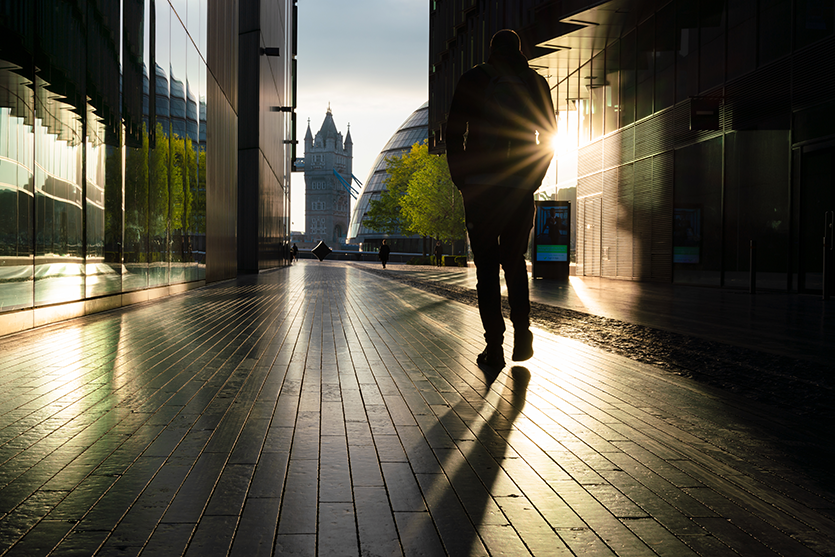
x=660 y=197
x=102 y=148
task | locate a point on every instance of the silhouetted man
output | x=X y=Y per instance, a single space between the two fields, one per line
x=383 y=253
x=497 y=112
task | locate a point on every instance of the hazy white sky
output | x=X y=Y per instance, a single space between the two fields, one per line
x=368 y=59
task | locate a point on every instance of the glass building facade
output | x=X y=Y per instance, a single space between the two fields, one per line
x=412 y=131
x=118 y=124
x=697 y=133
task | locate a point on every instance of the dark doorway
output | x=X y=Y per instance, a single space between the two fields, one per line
x=814 y=187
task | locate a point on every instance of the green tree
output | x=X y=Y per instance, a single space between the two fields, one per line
x=158 y=169
x=136 y=200
x=384 y=213
x=432 y=206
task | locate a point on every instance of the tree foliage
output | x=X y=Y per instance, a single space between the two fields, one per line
x=384 y=213
x=432 y=205
x=165 y=194
x=419 y=198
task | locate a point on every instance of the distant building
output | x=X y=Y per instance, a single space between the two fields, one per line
x=412 y=131
x=328 y=179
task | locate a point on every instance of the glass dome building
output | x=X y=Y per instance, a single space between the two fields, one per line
x=413 y=130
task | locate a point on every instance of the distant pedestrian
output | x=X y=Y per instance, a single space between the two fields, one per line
x=383 y=254
x=504 y=110
x=294 y=253
x=439 y=252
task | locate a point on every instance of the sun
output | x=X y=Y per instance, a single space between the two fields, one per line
x=555 y=143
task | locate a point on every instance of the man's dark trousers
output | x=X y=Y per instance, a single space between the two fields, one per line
x=499 y=221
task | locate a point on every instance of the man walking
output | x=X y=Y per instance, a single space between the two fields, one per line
x=499 y=148
x=383 y=253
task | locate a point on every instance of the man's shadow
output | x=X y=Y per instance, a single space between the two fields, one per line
x=472 y=463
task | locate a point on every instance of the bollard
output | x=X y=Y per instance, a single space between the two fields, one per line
x=752 y=260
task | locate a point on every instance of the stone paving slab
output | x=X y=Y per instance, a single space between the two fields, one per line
x=320 y=410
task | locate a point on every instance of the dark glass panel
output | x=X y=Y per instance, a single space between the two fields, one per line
x=180 y=195
x=813 y=21
x=756 y=208
x=133 y=70
x=774 y=30
x=687 y=49
x=16 y=185
x=136 y=252
x=195 y=207
x=59 y=204
x=200 y=195
x=645 y=68
x=665 y=87
x=612 y=104
x=584 y=103
x=158 y=149
x=103 y=275
x=698 y=204
x=712 y=43
x=628 y=79
x=597 y=95
x=742 y=38
x=59 y=263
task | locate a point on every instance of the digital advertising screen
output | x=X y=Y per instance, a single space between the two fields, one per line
x=686 y=234
x=552 y=228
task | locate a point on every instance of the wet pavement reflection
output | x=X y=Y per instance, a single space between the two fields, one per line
x=323 y=410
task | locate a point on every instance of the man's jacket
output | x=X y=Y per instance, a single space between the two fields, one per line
x=470 y=157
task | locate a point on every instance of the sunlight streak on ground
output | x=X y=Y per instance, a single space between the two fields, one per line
x=586 y=296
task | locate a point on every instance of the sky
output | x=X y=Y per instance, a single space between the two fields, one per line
x=369 y=60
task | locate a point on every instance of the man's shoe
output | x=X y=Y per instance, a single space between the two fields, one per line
x=491 y=357
x=523 y=346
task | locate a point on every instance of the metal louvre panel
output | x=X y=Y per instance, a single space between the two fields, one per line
x=760 y=96
x=662 y=220
x=655 y=134
x=642 y=217
x=813 y=75
x=609 y=232
x=628 y=146
x=588 y=238
x=624 y=222
x=590 y=158
x=579 y=239
x=589 y=185
x=612 y=150
x=592 y=236
x=681 y=121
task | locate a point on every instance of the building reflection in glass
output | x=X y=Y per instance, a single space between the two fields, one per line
x=59 y=270
x=102 y=152
x=17 y=198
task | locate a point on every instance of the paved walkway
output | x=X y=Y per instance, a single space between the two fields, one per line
x=321 y=410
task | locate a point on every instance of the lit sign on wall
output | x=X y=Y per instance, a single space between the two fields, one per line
x=552 y=227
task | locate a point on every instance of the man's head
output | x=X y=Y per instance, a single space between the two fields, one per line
x=505 y=42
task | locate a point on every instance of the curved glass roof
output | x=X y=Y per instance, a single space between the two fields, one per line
x=413 y=130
